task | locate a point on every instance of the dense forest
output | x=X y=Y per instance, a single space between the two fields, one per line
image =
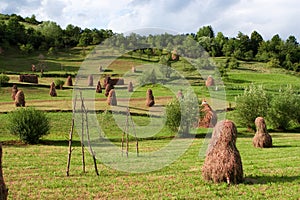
x=30 y=35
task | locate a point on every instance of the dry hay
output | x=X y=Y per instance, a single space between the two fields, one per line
x=149 y=98
x=210 y=118
x=111 y=99
x=180 y=94
x=106 y=81
x=175 y=56
x=98 y=87
x=133 y=70
x=3 y=189
x=33 y=68
x=28 y=78
x=108 y=88
x=223 y=161
x=262 y=138
x=117 y=81
x=52 y=90
x=69 y=81
x=100 y=69
x=20 y=99
x=90 y=80
x=209 y=81
x=14 y=91
x=130 y=87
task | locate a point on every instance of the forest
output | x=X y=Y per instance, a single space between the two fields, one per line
x=29 y=35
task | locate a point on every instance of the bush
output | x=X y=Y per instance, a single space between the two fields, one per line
x=3 y=79
x=29 y=124
x=59 y=83
x=284 y=109
x=252 y=104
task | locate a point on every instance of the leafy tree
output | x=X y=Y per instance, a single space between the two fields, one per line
x=52 y=32
x=205 y=31
x=255 y=40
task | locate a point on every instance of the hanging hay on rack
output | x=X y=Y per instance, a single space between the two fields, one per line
x=14 y=91
x=28 y=78
x=69 y=81
x=223 y=161
x=149 y=98
x=209 y=117
x=52 y=90
x=112 y=99
x=20 y=99
x=90 y=80
x=209 y=81
x=130 y=87
x=98 y=87
x=262 y=138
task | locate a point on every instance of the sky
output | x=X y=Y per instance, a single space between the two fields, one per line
x=267 y=17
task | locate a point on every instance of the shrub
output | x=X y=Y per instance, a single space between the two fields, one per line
x=284 y=109
x=252 y=104
x=29 y=124
x=3 y=79
x=59 y=83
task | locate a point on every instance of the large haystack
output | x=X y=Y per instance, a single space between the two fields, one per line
x=3 y=189
x=108 y=88
x=262 y=138
x=98 y=87
x=69 y=81
x=130 y=87
x=149 y=98
x=209 y=81
x=14 y=91
x=209 y=118
x=223 y=161
x=20 y=99
x=90 y=80
x=52 y=90
x=112 y=99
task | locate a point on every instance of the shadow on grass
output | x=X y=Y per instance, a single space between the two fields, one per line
x=265 y=179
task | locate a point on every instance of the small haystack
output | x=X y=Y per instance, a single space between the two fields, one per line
x=262 y=138
x=149 y=98
x=133 y=70
x=90 y=80
x=112 y=99
x=107 y=80
x=180 y=94
x=209 y=81
x=14 y=91
x=130 y=87
x=69 y=81
x=20 y=99
x=108 y=88
x=223 y=161
x=209 y=118
x=33 y=68
x=3 y=189
x=98 y=87
x=52 y=90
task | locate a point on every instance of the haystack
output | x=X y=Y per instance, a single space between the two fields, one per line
x=209 y=81
x=262 y=138
x=149 y=98
x=180 y=94
x=223 y=161
x=29 y=78
x=90 y=80
x=33 y=68
x=52 y=90
x=209 y=118
x=98 y=87
x=107 y=80
x=69 y=81
x=14 y=91
x=20 y=99
x=133 y=70
x=130 y=87
x=3 y=189
x=111 y=99
x=108 y=88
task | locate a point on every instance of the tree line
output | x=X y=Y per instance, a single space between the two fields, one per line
x=46 y=35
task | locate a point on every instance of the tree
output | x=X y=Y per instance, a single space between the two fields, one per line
x=255 y=40
x=52 y=32
x=205 y=31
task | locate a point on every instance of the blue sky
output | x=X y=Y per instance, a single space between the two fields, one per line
x=268 y=17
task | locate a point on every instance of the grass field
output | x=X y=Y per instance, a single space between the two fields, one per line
x=39 y=171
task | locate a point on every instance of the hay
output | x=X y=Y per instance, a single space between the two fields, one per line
x=108 y=88
x=209 y=81
x=3 y=189
x=149 y=98
x=14 y=91
x=20 y=99
x=52 y=90
x=223 y=161
x=262 y=139
x=130 y=87
x=98 y=87
x=90 y=80
x=133 y=70
x=111 y=99
x=209 y=119
x=69 y=81
x=28 y=78
x=180 y=94
x=106 y=81
x=33 y=68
